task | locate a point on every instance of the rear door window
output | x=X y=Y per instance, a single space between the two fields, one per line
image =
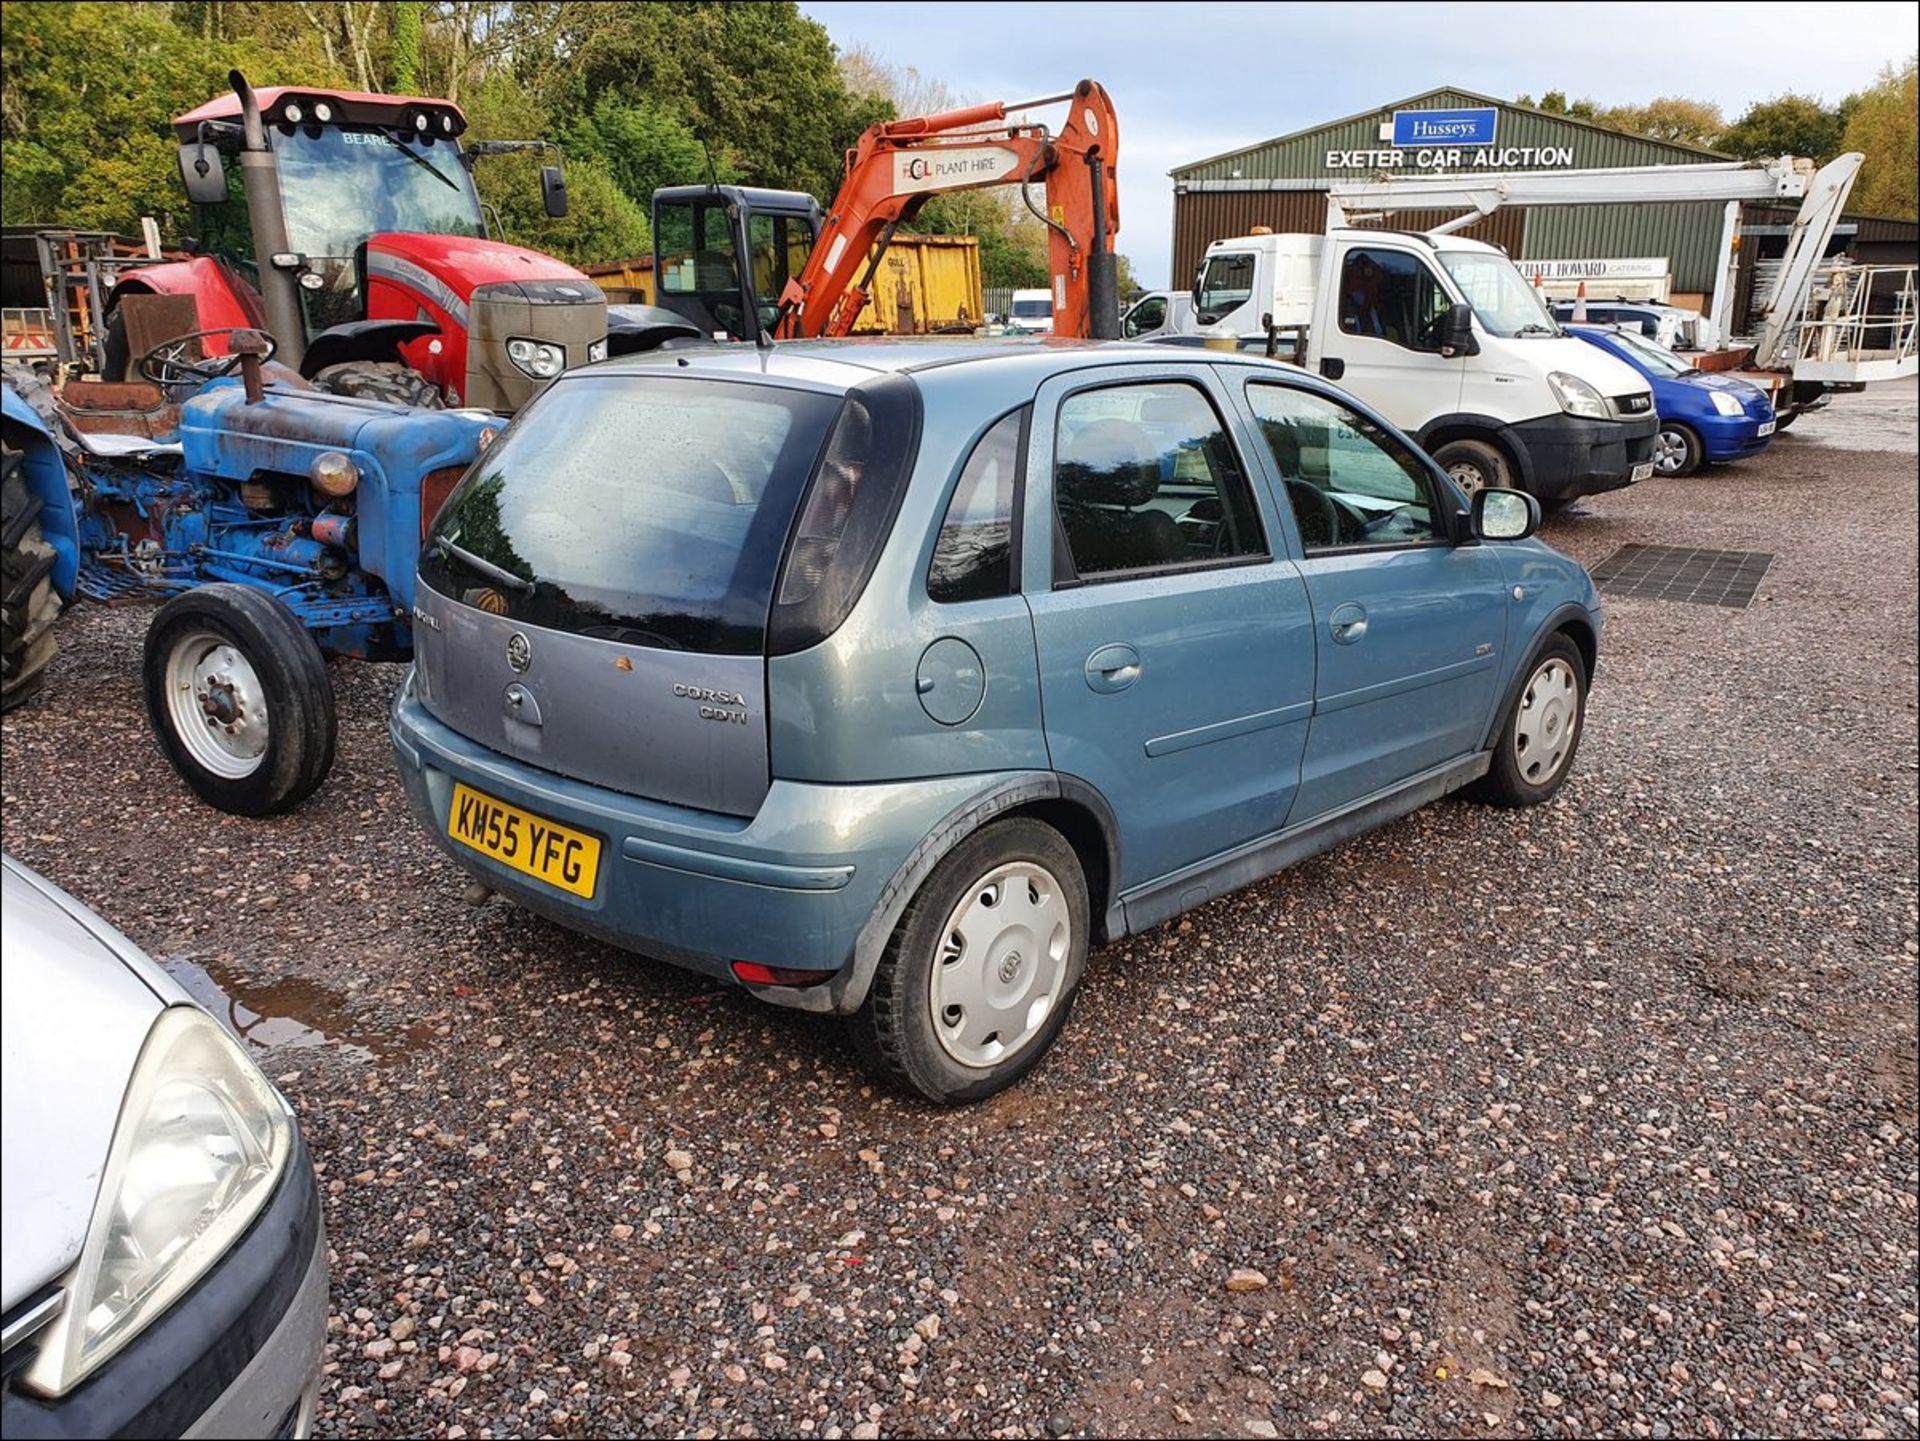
x=650 y=510
x=1146 y=480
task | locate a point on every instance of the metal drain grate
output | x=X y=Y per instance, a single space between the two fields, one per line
x=1672 y=572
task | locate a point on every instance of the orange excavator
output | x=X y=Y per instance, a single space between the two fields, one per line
x=799 y=276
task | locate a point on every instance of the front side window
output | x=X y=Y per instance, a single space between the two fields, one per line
x=648 y=510
x=1350 y=481
x=1145 y=479
x=1392 y=296
x=973 y=557
x=1145 y=318
x=1225 y=285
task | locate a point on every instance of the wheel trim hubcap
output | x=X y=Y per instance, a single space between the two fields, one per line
x=1467 y=476
x=1544 y=727
x=1669 y=452
x=217 y=705
x=1001 y=965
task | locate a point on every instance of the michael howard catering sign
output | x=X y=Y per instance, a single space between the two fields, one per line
x=1443 y=127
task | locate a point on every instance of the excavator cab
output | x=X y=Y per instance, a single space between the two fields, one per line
x=722 y=254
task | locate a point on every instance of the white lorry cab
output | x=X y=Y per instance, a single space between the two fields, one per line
x=1444 y=337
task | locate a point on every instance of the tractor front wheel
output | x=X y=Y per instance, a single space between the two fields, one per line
x=381 y=380
x=238 y=696
x=29 y=604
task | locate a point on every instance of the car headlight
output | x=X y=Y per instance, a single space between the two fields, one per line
x=1728 y=404
x=1576 y=397
x=200 y=1144
x=536 y=358
x=596 y=352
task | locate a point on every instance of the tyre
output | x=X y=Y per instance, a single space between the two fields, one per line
x=386 y=380
x=1676 y=450
x=29 y=604
x=1474 y=465
x=238 y=697
x=982 y=971
x=1541 y=732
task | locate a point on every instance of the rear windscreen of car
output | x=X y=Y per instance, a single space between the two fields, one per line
x=649 y=510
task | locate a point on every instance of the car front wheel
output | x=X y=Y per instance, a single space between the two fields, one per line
x=1676 y=450
x=982 y=970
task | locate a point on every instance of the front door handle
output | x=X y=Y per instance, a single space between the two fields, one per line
x=1348 y=623
x=1113 y=668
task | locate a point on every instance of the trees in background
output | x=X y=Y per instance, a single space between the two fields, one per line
x=1880 y=122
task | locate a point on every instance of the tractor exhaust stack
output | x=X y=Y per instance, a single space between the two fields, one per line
x=279 y=288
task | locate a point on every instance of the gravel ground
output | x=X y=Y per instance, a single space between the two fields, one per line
x=1594 y=1119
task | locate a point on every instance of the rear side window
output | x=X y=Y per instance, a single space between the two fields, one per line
x=652 y=510
x=1145 y=480
x=973 y=557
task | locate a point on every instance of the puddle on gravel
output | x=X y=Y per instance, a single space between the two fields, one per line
x=293 y=1013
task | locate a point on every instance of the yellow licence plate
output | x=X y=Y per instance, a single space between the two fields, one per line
x=543 y=849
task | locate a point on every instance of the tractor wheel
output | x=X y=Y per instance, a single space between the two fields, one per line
x=381 y=380
x=29 y=604
x=238 y=697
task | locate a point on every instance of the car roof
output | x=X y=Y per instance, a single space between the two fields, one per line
x=843 y=364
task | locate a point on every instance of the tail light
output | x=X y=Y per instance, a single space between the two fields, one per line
x=848 y=511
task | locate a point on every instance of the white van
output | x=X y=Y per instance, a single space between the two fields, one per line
x=1447 y=339
x=1031 y=312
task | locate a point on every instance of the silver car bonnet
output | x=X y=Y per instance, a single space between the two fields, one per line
x=76 y=1002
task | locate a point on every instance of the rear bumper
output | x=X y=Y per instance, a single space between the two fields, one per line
x=1568 y=456
x=238 y=1355
x=794 y=886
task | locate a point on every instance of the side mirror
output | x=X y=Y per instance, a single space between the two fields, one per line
x=1456 y=331
x=1505 y=514
x=204 y=173
x=553 y=190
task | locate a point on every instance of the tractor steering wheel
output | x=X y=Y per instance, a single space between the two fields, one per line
x=168 y=363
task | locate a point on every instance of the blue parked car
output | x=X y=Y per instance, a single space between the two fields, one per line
x=1703 y=417
x=883 y=679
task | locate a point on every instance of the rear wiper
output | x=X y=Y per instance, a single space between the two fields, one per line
x=484 y=567
x=424 y=163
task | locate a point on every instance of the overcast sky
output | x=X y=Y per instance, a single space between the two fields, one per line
x=1192 y=80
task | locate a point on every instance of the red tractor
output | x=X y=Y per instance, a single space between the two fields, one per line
x=351 y=231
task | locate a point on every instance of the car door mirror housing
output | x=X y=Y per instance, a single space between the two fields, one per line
x=204 y=173
x=553 y=191
x=1456 y=331
x=1504 y=514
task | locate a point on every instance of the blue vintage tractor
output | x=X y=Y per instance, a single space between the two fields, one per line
x=277 y=524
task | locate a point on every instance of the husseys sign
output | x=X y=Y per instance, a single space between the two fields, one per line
x=1448 y=140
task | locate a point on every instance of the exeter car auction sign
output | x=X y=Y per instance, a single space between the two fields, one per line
x=1413 y=128
x=1448 y=140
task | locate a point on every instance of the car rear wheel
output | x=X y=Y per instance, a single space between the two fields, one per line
x=1473 y=464
x=239 y=699
x=1676 y=450
x=29 y=604
x=1541 y=732
x=983 y=968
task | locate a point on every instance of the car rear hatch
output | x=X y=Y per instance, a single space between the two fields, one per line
x=594 y=598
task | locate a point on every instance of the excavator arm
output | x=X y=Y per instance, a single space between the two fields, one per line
x=899 y=165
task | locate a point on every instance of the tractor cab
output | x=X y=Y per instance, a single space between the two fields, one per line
x=700 y=233
x=348 y=226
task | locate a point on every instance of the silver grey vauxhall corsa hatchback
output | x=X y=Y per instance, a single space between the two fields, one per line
x=883 y=679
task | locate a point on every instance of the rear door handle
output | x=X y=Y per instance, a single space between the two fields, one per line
x=1113 y=668
x=1348 y=623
